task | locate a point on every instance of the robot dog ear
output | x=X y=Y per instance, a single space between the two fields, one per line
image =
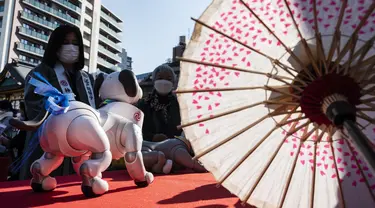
x=129 y=82
x=98 y=82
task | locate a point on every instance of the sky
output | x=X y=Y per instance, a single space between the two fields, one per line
x=151 y=28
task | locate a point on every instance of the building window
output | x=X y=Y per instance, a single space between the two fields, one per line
x=88 y=24
x=86 y=49
x=88 y=11
x=86 y=36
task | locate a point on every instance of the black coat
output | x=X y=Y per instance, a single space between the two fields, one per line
x=154 y=122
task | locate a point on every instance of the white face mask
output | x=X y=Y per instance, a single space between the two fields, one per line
x=68 y=54
x=163 y=87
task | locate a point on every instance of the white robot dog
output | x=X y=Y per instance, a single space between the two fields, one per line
x=93 y=137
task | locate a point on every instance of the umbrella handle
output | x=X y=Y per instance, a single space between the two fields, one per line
x=342 y=113
x=361 y=142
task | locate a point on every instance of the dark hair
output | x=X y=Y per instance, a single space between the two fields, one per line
x=56 y=40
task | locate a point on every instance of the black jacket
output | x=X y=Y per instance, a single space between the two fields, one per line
x=154 y=122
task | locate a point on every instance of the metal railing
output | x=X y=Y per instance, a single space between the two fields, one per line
x=69 y=5
x=106 y=64
x=110 y=43
x=41 y=21
x=52 y=11
x=111 y=20
x=110 y=54
x=33 y=33
x=110 y=31
x=30 y=48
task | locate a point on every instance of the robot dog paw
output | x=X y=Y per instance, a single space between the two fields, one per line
x=47 y=184
x=167 y=166
x=98 y=187
x=149 y=178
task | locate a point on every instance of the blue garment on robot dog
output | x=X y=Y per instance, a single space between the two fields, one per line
x=56 y=103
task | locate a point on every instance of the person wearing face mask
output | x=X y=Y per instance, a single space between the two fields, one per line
x=160 y=108
x=61 y=66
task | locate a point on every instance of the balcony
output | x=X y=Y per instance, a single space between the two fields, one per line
x=68 y=5
x=32 y=34
x=51 y=11
x=30 y=49
x=28 y=62
x=37 y=20
x=107 y=65
x=110 y=54
x=110 y=31
x=111 y=43
x=111 y=20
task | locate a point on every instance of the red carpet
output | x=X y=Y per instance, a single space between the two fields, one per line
x=184 y=190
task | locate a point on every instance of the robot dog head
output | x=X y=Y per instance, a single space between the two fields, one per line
x=120 y=86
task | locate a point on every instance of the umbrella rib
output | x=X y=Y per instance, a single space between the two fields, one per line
x=337 y=32
x=299 y=128
x=290 y=85
x=319 y=138
x=220 y=115
x=220 y=181
x=362 y=52
x=354 y=44
x=303 y=40
x=285 y=68
x=269 y=75
x=307 y=135
x=283 y=123
x=366 y=109
x=368 y=100
x=335 y=45
x=197 y=156
x=219 y=89
x=355 y=33
x=365 y=117
x=342 y=201
x=312 y=196
x=290 y=176
x=273 y=89
x=234 y=68
x=372 y=105
x=371 y=89
x=295 y=57
x=361 y=170
x=364 y=63
x=366 y=74
x=320 y=53
x=260 y=177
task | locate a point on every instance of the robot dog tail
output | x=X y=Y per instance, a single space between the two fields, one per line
x=31 y=125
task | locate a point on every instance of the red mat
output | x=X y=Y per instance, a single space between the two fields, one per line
x=179 y=190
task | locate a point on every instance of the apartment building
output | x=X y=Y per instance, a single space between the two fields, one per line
x=110 y=37
x=25 y=26
x=126 y=61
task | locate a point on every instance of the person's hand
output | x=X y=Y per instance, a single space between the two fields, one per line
x=159 y=137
